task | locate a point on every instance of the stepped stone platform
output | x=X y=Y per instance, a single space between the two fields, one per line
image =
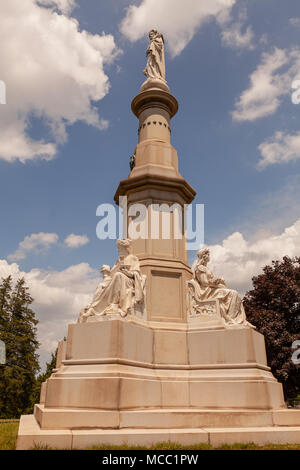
x=139 y=383
x=230 y=427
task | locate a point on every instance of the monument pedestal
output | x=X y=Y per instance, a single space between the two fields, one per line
x=137 y=383
x=172 y=369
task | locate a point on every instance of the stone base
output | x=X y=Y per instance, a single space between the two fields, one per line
x=128 y=381
x=70 y=419
x=186 y=428
x=154 y=83
x=118 y=365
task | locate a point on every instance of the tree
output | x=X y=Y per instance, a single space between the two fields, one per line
x=273 y=306
x=36 y=391
x=18 y=326
x=5 y=293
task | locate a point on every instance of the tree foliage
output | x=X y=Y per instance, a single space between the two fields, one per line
x=35 y=396
x=18 y=332
x=273 y=306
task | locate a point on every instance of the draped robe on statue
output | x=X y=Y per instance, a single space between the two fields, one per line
x=205 y=287
x=122 y=291
x=156 y=59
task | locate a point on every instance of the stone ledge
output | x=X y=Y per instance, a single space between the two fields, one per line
x=30 y=435
x=72 y=419
x=159 y=182
x=116 y=360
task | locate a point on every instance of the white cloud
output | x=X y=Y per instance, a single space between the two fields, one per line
x=262 y=97
x=178 y=20
x=65 y=6
x=75 y=241
x=295 y=22
x=268 y=84
x=58 y=298
x=41 y=242
x=52 y=70
x=36 y=242
x=280 y=148
x=238 y=260
x=233 y=36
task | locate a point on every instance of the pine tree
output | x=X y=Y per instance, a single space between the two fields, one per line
x=36 y=391
x=5 y=293
x=18 y=374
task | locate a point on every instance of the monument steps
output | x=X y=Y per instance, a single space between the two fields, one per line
x=30 y=436
x=162 y=418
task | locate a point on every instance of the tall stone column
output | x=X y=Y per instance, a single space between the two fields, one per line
x=156 y=183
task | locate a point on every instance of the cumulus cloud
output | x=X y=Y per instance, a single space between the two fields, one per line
x=238 y=260
x=271 y=80
x=36 y=242
x=262 y=97
x=53 y=71
x=233 y=35
x=42 y=242
x=58 y=298
x=65 y=6
x=178 y=20
x=74 y=241
x=280 y=148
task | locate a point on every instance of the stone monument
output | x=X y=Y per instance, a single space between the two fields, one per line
x=163 y=352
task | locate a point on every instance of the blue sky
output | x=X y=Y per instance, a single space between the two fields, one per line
x=237 y=133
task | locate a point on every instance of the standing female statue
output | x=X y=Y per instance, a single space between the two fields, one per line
x=205 y=286
x=155 y=67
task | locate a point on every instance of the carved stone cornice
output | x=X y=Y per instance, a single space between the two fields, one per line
x=154 y=98
x=157 y=182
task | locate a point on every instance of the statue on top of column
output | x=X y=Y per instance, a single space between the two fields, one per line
x=155 y=68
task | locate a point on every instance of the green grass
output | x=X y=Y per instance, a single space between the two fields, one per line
x=174 y=446
x=9 y=431
x=8 y=435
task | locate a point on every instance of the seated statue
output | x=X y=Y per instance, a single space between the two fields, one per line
x=122 y=288
x=205 y=287
x=89 y=310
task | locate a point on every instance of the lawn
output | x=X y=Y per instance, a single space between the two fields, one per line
x=9 y=431
x=8 y=435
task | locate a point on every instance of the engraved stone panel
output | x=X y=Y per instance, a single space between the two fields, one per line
x=166 y=295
